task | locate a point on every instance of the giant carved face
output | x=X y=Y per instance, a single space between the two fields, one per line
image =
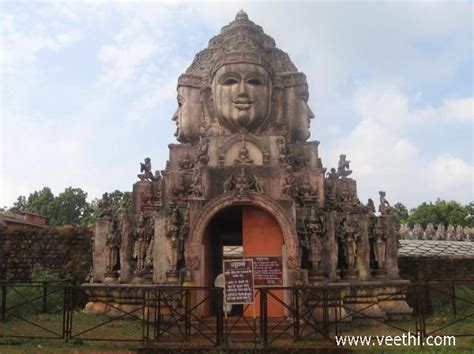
x=242 y=95
x=188 y=115
x=298 y=113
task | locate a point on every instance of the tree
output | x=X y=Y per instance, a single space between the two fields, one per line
x=19 y=205
x=70 y=208
x=442 y=212
x=400 y=212
x=40 y=202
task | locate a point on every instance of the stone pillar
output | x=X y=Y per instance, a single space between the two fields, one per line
x=160 y=262
x=139 y=188
x=330 y=248
x=126 y=250
x=103 y=227
x=363 y=248
x=391 y=252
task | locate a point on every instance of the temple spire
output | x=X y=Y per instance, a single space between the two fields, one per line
x=241 y=15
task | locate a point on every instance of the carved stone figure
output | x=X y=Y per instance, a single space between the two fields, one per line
x=242 y=96
x=180 y=189
x=460 y=234
x=289 y=184
x=440 y=232
x=316 y=230
x=145 y=169
x=379 y=244
x=139 y=249
x=105 y=207
x=242 y=184
x=370 y=207
x=189 y=114
x=418 y=232
x=173 y=242
x=243 y=156
x=282 y=150
x=404 y=232
x=384 y=207
x=197 y=189
x=343 y=167
x=157 y=189
x=332 y=174
x=202 y=153
x=450 y=233
x=349 y=239
x=112 y=247
x=186 y=163
x=429 y=232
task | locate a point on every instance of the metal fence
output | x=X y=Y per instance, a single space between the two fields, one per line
x=196 y=316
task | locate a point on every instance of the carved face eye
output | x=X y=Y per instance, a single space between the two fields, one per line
x=230 y=81
x=255 y=81
x=180 y=100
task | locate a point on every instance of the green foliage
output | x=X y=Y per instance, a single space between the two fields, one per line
x=400 y=212
x=442 y=212
x=118 y=200
x=69 y=207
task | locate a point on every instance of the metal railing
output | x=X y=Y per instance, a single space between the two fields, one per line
x=195 y=316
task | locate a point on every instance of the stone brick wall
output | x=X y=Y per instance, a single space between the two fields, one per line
x=65 y=250
x=436 y=268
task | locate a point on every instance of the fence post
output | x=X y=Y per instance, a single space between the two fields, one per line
x=219 y=317
x=453 y=299
x=45 y=297
x=263 y=316
x=4 y=302
x=296 y=319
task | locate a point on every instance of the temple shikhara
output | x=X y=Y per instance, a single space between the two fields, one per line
x=245 y=177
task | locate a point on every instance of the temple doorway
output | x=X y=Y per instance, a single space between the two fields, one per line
x=240 y=232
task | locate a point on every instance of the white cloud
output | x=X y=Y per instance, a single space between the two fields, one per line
x=452 y=177
x=22 y=41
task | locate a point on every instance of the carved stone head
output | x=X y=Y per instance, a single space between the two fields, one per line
x=188 y=115
x=242 y=96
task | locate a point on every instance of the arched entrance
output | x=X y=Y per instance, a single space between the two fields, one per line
x=254 y=227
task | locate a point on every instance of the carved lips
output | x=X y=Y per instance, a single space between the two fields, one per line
x=242 y=104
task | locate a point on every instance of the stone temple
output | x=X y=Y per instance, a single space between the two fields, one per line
x=244 y=174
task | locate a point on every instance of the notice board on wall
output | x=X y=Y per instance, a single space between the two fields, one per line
x=238 y=281
x=267 y=270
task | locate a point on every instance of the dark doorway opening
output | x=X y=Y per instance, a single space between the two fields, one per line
x=225 y=236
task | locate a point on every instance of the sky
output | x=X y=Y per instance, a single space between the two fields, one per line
x=88 y=89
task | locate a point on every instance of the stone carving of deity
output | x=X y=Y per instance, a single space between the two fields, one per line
x=349 y=239
x=379 y=244
x=112 y=247
x=173 y=241
x=418 y=232
x=404 y=232
x=197 y=189
x=450 y=233
x=460 y=234
x=145 y=169
x=282 y=150
x=105 y=207
x=139 y=248
x=202 y=156
x=430 y=232
x=186 y=163
x=180 y=189
x=242 y=96
x=370 y=207
x=189 y=114
x=316 y=229
x=440 y=232
x=384 y=207
x=243 y=156
x=343 y=167
x=289 y=184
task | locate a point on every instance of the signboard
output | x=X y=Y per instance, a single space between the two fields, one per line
x=238 y=281
x=268 y=270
